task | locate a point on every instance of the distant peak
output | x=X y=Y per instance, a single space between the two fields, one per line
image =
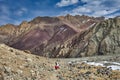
x=45 y=19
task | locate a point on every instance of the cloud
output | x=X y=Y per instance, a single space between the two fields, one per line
x=4 y=10
x=21 y=11
x=96 y=8
x=113 y=15
x=4 y=14
x=36 y=13
x=5 y=19
x=7 y=15
x=103 y=12
x=81 y=10
x=17 y=22
x=63 y=3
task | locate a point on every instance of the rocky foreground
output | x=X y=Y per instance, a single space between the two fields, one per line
x=20 y=65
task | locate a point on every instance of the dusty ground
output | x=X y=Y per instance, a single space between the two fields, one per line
x=18 y=65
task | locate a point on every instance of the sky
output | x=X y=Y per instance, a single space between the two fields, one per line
x=16 y=11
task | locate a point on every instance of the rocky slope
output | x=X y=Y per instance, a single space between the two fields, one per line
x=101 y=39
x=64 y=36
x=20 y=65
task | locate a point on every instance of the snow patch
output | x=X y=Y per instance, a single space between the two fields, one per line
x=83 y=21
x=116 y=63
x=88 y=20
x=114 y=67
x=92 y=25
x=95 y=64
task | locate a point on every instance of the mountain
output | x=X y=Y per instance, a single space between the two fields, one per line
x=64 y=36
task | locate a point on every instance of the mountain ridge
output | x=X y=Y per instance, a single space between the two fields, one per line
x=64 y=36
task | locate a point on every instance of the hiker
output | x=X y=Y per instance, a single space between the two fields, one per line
x=70 y=66
x=57 y=66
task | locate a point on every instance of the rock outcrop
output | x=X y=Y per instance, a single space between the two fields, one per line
x=65 y=36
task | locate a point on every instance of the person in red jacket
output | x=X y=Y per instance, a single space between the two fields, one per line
x=57 y=66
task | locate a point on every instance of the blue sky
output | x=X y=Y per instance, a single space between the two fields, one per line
x=16 y=11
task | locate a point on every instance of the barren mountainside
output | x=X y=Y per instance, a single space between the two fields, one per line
x=64 y=36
